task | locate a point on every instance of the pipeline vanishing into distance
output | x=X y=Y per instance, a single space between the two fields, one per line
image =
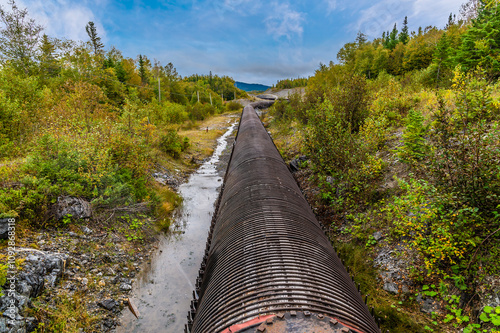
x=268 y=265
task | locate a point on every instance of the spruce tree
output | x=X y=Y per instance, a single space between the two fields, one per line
x=404 y=36
x=48 y=61
x=94 y=39
x=442 y=56
x=451 y=21
x=480 y=45
x=142 y=69
x=393 y=40
x=361 y=38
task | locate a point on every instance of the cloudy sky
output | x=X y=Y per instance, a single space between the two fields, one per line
x=254 y=41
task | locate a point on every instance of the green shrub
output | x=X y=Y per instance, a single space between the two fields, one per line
x=233 y=106
x=172 y=144
x=200 y=111
x=465 y=145
x=414 y=147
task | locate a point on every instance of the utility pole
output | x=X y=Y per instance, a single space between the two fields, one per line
x=159 y=91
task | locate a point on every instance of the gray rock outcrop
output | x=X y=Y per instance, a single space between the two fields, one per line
x=75 y=207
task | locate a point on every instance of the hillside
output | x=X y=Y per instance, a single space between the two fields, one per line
x=251 y=86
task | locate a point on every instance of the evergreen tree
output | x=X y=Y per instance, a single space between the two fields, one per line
x=451 y=21
x=361 y=38
x=142 y=69
x=48 y=61
x=480 y=45
x=19 y=37
x=393 y=38
x=404 y=36
x=442 y=56
x=415 y=147
x=94 y=39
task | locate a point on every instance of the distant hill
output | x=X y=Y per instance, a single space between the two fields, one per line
x=251 y=86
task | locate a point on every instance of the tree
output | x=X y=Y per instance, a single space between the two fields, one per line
x=361 y=38
x=94 y=39
x=451 y=21
x=47 y=57
x=481 y=42
x=442 y=56
x=347 y=53
x=142 y=69
x=19 y=37
x=404 y=36
x=391 y=38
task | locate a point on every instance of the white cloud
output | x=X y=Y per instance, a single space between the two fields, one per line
x=284 y=21
x=241 y=7
x=382 y=15
x=435 y=12
x=331 y=5
x=62 y=18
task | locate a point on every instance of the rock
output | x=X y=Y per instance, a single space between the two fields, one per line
x=4 y=228
x=428 y=305
x=3 y=325
x=270 y=97
x=125 y=287
x=87 y=230
x=378 y=235
x=108 y=324
x=391 y=287
x=393 y=269
x=108 y=304
x=31 y=324
x=85 y=281
x=76 y=207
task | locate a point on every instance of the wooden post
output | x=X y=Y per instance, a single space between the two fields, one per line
x=159 y=90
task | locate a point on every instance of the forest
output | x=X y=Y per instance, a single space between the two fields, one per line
x=81 y=121
x=402 y=140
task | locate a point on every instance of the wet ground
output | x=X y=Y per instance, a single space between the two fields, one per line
x=163 y=291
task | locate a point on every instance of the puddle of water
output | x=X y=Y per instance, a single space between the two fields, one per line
x=163 y=292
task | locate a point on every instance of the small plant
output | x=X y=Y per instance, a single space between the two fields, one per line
x=67 y=218
x=3 y=277
x=370 y=242
x=427 y=292
x=491 y=314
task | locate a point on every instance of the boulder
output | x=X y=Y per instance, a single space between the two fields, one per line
x=108 y=304
x=76 y=207
x=4 y=228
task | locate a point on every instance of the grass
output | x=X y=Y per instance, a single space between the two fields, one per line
x=65 y=313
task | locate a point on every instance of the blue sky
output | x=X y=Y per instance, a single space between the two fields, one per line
x=254 y=41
